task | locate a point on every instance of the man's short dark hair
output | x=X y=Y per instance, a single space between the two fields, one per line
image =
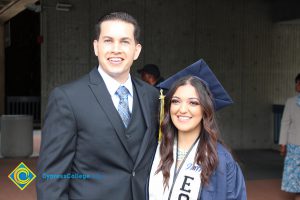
x=121 y=16
x=297 y=78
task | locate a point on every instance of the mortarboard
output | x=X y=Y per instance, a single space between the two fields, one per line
x=201 y=70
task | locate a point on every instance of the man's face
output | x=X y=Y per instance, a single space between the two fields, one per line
x=297 y=87
x=146 y=77
x=116 y=48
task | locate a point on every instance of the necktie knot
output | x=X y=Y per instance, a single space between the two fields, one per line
x=122 y=92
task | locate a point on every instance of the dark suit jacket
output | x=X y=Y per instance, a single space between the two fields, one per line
x=83 y=134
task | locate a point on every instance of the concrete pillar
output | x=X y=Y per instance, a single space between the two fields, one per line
x=2 y=70
x=16 y=135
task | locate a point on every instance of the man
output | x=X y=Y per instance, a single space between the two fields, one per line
x=93 y=130
x=151 y=74
x=290 y=143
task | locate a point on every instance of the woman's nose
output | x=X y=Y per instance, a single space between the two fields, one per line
x=183 y=108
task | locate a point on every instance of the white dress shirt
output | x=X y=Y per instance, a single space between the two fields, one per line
x=112 y=86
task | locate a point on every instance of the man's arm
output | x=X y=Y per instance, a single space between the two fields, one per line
x=57 y=147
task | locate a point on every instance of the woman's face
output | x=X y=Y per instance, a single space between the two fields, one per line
x=186 y=112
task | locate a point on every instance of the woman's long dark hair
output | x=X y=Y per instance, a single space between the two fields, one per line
x=206 y=155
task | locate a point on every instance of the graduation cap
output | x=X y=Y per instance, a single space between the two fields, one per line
x=201 y=70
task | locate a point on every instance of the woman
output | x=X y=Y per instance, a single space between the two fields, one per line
x=190 y=162
x=290 y=143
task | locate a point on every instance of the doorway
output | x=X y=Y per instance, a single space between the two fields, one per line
x=23 y=65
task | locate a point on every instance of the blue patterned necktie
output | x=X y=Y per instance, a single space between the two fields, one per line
x=123 y=107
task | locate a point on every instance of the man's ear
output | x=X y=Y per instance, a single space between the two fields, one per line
x=138 y=49
x=95 y=44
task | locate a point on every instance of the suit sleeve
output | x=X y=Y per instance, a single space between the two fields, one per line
x=236 y=189
x=285 y=124
x=57 y=148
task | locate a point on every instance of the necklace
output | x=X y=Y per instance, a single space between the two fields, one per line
x=181 y=154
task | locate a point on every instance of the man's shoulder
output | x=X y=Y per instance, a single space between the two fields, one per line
x=145 y=86
x=75 y=85
x=77 y=82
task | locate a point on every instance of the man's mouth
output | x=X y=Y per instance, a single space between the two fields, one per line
x=115 y=60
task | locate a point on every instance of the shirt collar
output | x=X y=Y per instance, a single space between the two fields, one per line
x=113 y=84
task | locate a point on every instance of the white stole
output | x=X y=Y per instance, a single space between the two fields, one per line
x=187 y=183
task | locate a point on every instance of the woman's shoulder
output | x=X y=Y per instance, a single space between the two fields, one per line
x=224 y=154
x=221 y=149
x=228 y=177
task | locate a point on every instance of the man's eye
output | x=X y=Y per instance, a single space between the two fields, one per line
x=107 y=41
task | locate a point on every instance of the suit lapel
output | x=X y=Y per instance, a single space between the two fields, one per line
x=141 y=94
x=103 y=97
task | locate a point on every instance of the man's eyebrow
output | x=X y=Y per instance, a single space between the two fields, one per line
x=125 y=38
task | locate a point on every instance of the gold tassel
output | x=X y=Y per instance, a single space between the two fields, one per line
x=161 y=115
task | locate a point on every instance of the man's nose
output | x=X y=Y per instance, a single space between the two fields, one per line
x=116 y=47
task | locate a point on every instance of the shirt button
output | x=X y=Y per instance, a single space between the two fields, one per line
x=133 y=173
x=128 y=136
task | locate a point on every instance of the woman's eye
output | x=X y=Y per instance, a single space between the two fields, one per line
x=174 y=101
x=194 y=103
